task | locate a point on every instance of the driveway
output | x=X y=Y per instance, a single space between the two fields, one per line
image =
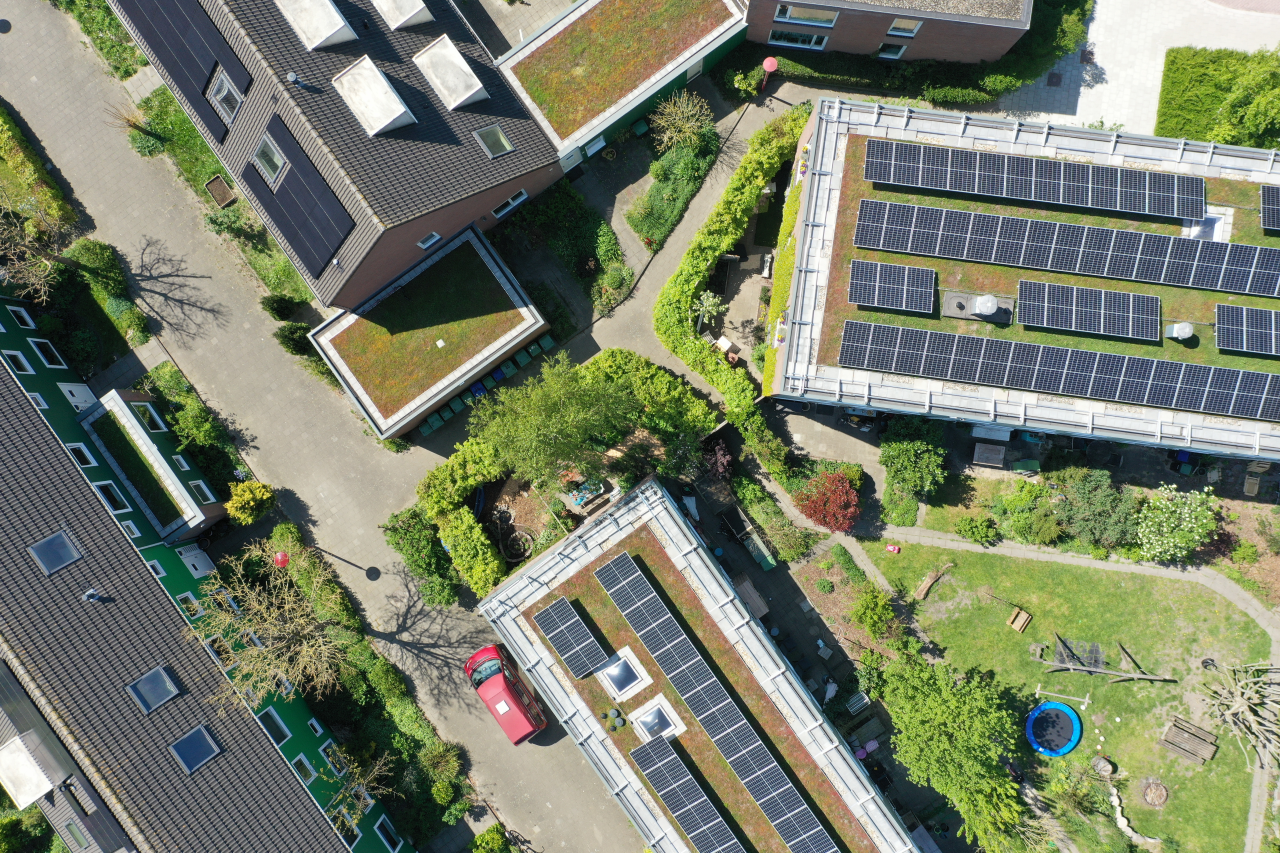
x=1128 y=40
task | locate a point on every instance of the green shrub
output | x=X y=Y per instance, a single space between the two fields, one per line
x=682 y=120
x=293 y=337
x=1250 y=112
x=1245 y=553
x=612 y=286
x=136 y=327
x=898 y=506
x=783 y=269
x=250 y=502
x=474 y=556
x=108 y=35
x=683 y=169
x=1098 y=513
x=413 y=536
x=99 y=267
x=789 y=542
x=146 y=144
x=824 y=586
x=197 y=424
x=320 y=369
x=442 y=791
x=1195 y=83
x=873 y=610
x=28 y=167
x=1026 y=514
x=492 y=840
x=386 y=679
x=1173 y=524
x=448 y=485
x=553 y=308
x=116 y=306
x=980 y=530
x=847 y=564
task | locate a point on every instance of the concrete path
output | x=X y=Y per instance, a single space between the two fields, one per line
x=1129 y=39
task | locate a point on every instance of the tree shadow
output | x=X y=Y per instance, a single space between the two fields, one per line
x=169 y=289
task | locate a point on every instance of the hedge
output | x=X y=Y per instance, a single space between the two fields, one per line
x=783 y=267
x=725 y=225
x=472 y=552
x=27 y=166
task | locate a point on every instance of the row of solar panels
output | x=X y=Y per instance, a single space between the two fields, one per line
x=1056 y=370
x=1036 y=244
x=1027 y=178
x=1252 y=330
x=1087 y=309
x=1270 y=207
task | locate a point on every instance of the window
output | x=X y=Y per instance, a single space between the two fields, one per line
x=111 y=496
x=38 y=401
x=224 y=601
x=202 y=491
x=221 y=651
x=149 y=417
x=54 y=552
x=156 y=568
x=21 y=317
x=269 y=160
x=17 y=361
x=810 y=41
x=283 y=685
x=812 y=17
x=81 y=454
x=189 y=605
x=131 y=529
x=47 y=353
x=892 y=51
x=509 y=205
x=316 y=728
x=343 y=823
x=334 y=758
x=73 y=832
x=225 y=98
x=904 y=27
x=194 y=749
x=494 y=141
x=153 y=689
x=275 y=726
x=181 y=463
x=387 y=833
x=304 y=769
x=428 y=241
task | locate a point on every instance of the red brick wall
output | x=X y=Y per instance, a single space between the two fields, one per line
x=858 y=31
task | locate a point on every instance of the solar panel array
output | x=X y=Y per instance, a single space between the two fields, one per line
x=1247 y=329
x=684 y=798
x=1031 y=179
x=1270 y=207
x=713 y=707
x=569 y=636
x=891 y=286
x=1036 y=244
x=1087 y=309
x=1056 y=370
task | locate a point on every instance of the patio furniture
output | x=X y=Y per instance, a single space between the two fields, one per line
x=857 y=702
x=1189 y=741
x=988 y=455
x=750 y=596
x=1019 y=620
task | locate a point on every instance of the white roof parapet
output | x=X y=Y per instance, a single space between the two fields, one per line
x=650 y=505
x=447 y=71
x=371 y=97
x=403 y=13
x=317 y=22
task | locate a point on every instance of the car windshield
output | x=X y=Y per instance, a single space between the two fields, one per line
x=485 y=671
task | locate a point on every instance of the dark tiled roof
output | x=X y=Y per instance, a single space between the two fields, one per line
x=416 y=169
x=81 y=655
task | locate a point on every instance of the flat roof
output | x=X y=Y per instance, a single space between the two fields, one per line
x=1012 y=10
x=369 y=94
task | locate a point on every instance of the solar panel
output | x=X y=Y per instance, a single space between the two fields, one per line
x=568 y=635
x=1087 y=309
x=1050 y=181
x=1253 y=330
x=711 y=704
x=1102 y=252
x=891 y=286
x=1270 y=207
x=1080 y=373
x=684 y=797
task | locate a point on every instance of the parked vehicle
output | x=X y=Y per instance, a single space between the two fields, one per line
x=504 y=692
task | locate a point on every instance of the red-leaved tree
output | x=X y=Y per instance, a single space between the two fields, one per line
x=831 y=501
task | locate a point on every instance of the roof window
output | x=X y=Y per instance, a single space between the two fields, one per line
x=153 y=690
x=17 y=361
x=403 y=13
x=317 y=22
x=448 y=72
x=269 y=160
x=372 y=98
x=225 y=97
x=494 y=141
x=55 y=552
x=195 y=749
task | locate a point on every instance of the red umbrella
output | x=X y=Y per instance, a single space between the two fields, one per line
x=281 y=559
x=769 y=65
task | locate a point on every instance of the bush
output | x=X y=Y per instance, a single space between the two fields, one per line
x=1098 y=513
x=1250 y=112
x=250 y=502
x=442 y=791
x=386 y=679
x=28 y=167
x=99 y=268
x=116 y=306
x=682 y=169
x=683 y=120
x=474 y=556
x=1269 y=535
x=447 y=486
x=830 y=500
x=413 y=536
x=718 y=461
x=873 y=610
x=81 y=351
x=789 y=542
x=147 y=144
x=293 y=337
x=898 y=506
x=824 y=586
x=1172 y=524
x=108 y=35
x=197 y=424
x=1245 y=553
x=492 y=840
x=1026 y=514
x=783 y=268
x=1195 y=83
x=914 y=465
x=847 y=564
x=980 y=530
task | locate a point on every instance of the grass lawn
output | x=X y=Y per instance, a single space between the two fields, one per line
x=137 y=469
x=1176 y=303
x=392 y=350
x=694 y=746
x=961 y=496
x=609 y=51
x=1194 y=83
x=1169 y=626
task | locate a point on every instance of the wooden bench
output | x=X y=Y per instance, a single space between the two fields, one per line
x=1189 y=741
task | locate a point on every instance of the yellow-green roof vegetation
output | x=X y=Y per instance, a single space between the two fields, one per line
x=137 y=470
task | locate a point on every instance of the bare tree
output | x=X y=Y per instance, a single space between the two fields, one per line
x=357 y=785
x=30 y=243
x=1246 y=699
x=271 y=630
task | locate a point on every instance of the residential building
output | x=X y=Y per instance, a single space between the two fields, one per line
x=106 y=719
x=951 y=30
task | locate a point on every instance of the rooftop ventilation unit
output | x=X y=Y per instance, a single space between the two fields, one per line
x=403 y=13
x=370 y=96
x=317 y=22
x=447 y=71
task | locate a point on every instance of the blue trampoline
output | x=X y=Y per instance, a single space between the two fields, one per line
x=1053 y=729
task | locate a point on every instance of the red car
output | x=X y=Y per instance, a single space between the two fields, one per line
x=495 y=677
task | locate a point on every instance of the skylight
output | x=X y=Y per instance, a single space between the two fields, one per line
x=195 y=749
x=153 y=690
x=448 y=72
x=621 y=675
x=317 y=22
x=20 y=774
x=371 y=98
x=55 y=552
x=403 y=13
x=655 y=721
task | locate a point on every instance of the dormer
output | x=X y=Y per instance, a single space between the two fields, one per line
x=447 y=71
x=371 y=97
x=317 y=22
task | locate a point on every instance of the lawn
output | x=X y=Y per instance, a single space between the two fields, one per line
x=1195 y=81
x=393 y=351
x=961 y=496
x=1168 y=626
x=137 y=469
x=1177 y=303
x=609 y=51
x=694 y=746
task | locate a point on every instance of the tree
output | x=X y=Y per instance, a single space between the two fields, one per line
x=31 y=243
x=1098 y=513
x=681 y=121
x=492 y=840
x=707 y=307
x=361 y=782
x=1250 y=113
x=554 y=422
x=1172 y=524
x=272 y=628
x=293 y=337
x=196 y=424
x=250 y=502
x=873 y=610
x=952 y=730
x=411 y=533
x=980 y=530
x=448 y=485
x=718 y=461
x=830 y=500
x=1026 y=514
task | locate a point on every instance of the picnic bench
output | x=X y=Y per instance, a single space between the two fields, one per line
x=1019 y=620
x=1189 y=741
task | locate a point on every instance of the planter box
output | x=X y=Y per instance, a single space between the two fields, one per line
x=222 y=194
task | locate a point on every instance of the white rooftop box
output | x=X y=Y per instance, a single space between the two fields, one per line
x=22 y=777
x=447 y=71
x=403 y=13
x=317 y=22
x=371 y=97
